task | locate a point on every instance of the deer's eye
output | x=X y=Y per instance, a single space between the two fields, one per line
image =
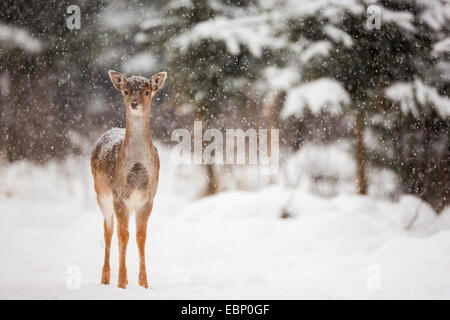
x=125 y=92
x=147 y=93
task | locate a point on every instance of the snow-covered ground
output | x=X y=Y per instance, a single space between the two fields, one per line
x=230 y=246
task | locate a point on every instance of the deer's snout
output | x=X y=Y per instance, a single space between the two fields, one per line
x=134 y=105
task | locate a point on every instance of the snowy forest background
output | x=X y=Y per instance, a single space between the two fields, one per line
x=361 y=110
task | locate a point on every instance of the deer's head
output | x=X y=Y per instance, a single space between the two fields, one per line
x=137 y=91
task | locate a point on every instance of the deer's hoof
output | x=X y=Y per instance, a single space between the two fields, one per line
x=123 y=281
x=143 y=280
x=106 y=276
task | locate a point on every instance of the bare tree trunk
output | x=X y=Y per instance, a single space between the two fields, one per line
x=445 y=176
x=270 y=121
x=12 y=140
x=3 y=123
x=211 y=186
x=423 y=175
x=361 y=180
x=271 y=110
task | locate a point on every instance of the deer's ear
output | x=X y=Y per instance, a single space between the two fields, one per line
x=117 y=79
x=157 y=81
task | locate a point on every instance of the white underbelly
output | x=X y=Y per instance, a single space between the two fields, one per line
x=136 y=201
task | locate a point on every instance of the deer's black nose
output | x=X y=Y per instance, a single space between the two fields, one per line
x=134 y=105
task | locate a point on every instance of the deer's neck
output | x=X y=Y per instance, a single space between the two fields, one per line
x=138 y=138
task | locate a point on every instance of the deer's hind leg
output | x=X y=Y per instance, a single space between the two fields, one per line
x=142 y=216
x=106 y=206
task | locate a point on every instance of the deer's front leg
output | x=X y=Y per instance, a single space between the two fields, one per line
x=122 y=216
x=142 y=216
x=109 y=228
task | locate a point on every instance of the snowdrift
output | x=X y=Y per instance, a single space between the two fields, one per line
x=230 y=246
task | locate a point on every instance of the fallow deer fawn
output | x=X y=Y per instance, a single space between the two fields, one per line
x=125 y=167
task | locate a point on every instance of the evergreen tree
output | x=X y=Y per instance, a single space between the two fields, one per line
x=49 y=73
x=213 y=57
x=366 y=60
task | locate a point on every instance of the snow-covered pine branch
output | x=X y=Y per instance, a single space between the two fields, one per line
x=320 y=95
x=417 y=98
